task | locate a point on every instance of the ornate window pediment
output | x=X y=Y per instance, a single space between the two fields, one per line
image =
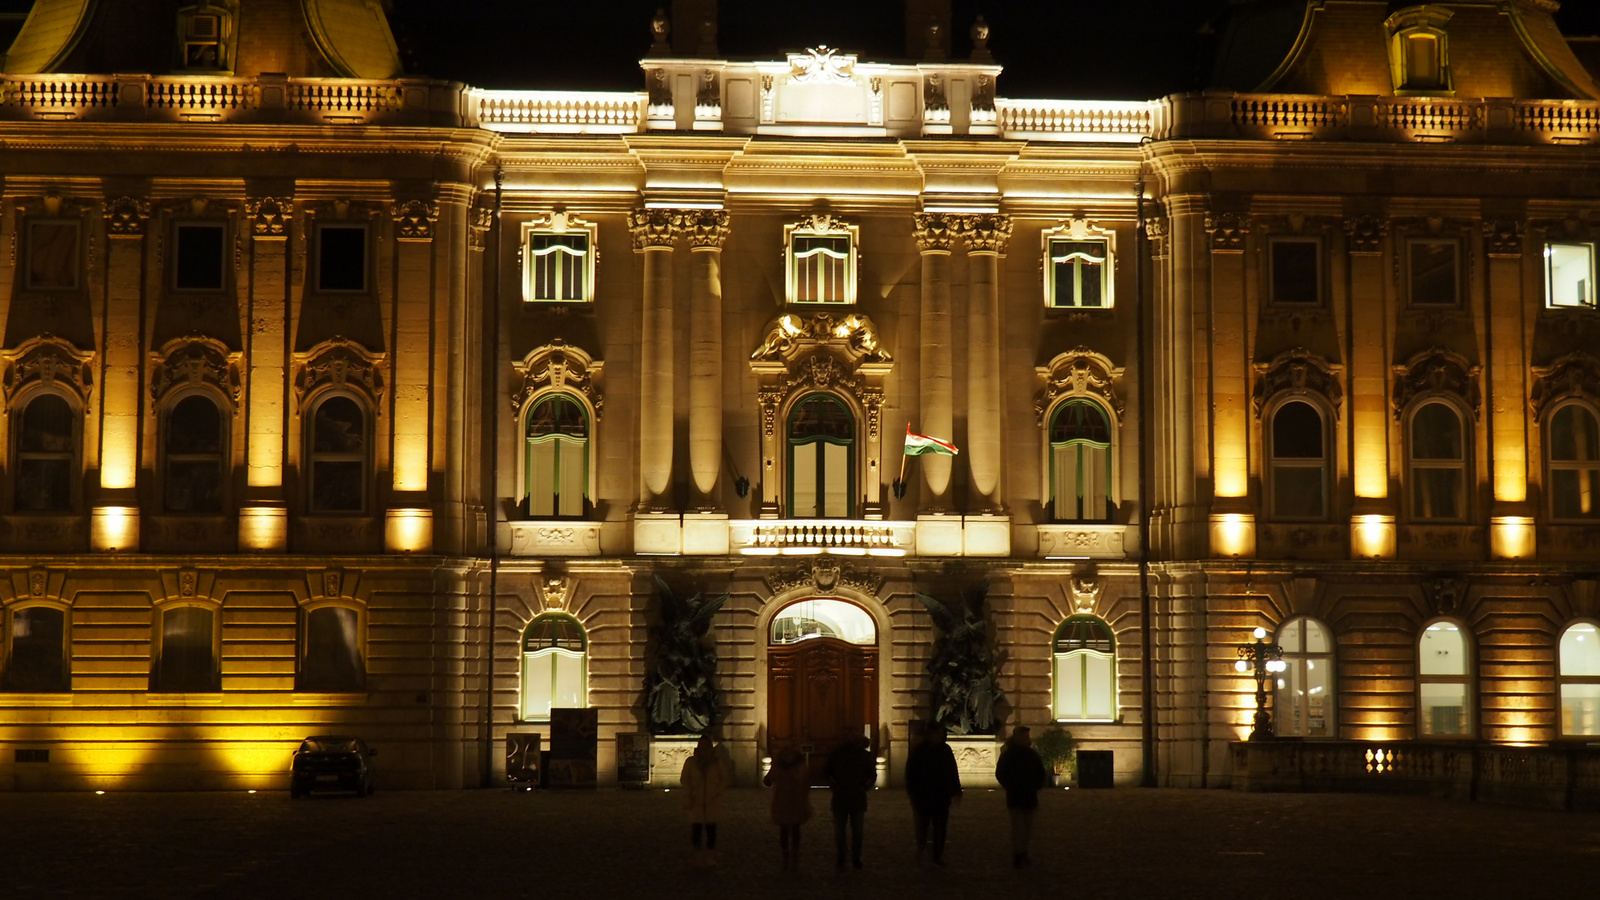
x=852 y=338
x=559 y=366
x=1436 y=371
x=1079 y=372
x=49 y=360
x=194 y=361
x=341 y=363
x=1574 y=375
x=1297 y=371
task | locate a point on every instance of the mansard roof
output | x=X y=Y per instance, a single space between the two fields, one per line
x=1497 y=48
x=348 y=38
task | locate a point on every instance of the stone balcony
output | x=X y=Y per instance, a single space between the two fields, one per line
x=804 y=537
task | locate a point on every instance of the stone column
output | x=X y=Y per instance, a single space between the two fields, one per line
x=263 y=518
x=706 y=531
x=656 y=529
x=936 y=418
x=408 y=523
x=1372 y=520
x=1179 y=429
x=986 y=238
x=1511 y=530
x=115 y=515
x=1232 y=517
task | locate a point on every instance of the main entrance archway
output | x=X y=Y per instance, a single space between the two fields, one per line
x=822 y=678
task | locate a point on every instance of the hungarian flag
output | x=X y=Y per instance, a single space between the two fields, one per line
x=918 y=444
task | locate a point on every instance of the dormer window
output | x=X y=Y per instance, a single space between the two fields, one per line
x=1418 y=58
x=821 y=257
x=204 y=35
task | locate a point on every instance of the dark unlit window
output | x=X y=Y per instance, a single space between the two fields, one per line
x=332 y=660
x=1433 y=273
x=38 y=659
x=342 y=258
x=188 y=652
x=338 y=457
x=1295 y=272
x=52 y=256
x=202 y=42
x=46 y=455
x=1299 y=470
x=192 y=480
x=199 y=259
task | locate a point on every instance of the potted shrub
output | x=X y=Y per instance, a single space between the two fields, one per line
x=1056 y=747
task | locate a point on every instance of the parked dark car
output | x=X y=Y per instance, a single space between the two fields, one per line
x=332 y=762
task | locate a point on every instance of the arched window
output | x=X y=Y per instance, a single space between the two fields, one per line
x=1080 y=462
x=331 y=658
x=555 y=667
x=1443 y=675
x=1438 y=463
x=822 y=617
x=1085 y=671
x=1580 y=680
x=186 y=659
x=557 y=480
x=1305 y=701
x=822 y=477
x=37 y=660
x=339 y=456
x=1572 y=444
x=1298 y=449
x=45 y=460
x=194 y=445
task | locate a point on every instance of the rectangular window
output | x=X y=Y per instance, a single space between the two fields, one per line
x=558 y=268
x=820 y=269
x=342 y=258
x=197 y=265
x=1444 y=710
x=1433 y=270
x=188 y=660
x=1078 y=275
x=52 y=256
x=1296 y=267
x=1569 y=275
x=201 y=44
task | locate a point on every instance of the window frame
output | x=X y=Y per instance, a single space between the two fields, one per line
x=1411 y=271
x=222 y=40
x=1079 y=231
x=1464 y=464
x=367 y=257
x=555 y=653
x=1422 y=21
x=1553 y=465
x=303 y=682
x=821 y=227
x=74 y=457
x=313 y=456
x=1085 y=654
x=30 y=224
x=1275 y=462
x=1466 y=680
x=1300 y=661
x=852 y=455
x=10 y=613
x=224 y=455
x=1548 y=255
x=525 y=476
x=178 y=227
x=1051 y=481
x=159 y=680
x=1319 y=268
x=1563 y=680
x=558 y=224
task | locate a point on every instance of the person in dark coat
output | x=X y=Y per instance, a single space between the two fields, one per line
x=1021 y=772
x=851 y=772
x=790 y=780
x=933 y=783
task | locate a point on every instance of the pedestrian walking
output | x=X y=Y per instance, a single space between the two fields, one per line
x=704 y=780
x=790 y=780
x=1021 y=772
x=851 y=772
x=933 y=783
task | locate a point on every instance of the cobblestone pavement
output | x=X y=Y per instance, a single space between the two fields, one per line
x=610 y=843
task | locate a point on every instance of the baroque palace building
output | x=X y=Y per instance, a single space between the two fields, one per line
x=337 y=400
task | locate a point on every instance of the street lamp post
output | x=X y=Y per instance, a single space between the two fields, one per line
x=1263 y=658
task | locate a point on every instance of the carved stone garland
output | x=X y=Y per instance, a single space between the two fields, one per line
x=192 y=361
x=559 y=366
x=824 y=575
x=48 y=360
x=341 y=363
x=1435 y=371
x=1297 y=371
x=1079 y=372
x=1573 y=375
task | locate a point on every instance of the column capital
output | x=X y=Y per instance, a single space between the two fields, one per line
x=269 y=216
x=1503 y=237
x=986 y=233
x=705 y=228
x=1366 y=233
x=653 y=227
x=414 y=219
x=1227 y=230
x=935 y=231
x=127 y=215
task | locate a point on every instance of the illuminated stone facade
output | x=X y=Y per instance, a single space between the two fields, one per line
x=327 y=392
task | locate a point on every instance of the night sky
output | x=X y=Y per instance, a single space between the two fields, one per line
x=1104 y=49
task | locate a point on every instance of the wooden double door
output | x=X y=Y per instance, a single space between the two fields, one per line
x=820 y=693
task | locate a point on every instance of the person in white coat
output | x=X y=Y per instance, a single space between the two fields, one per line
x=705 y=779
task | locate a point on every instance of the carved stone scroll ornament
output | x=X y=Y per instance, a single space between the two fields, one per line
x=705 y=227
x=48 y=360
x=1227 y=231
x=414 y=219
x=269 y=216
x=853 y=337
x=1503 y=237
x=1085 y=591
x=1079 y=372
x=127 y=215
x=556 y=592
x=1436 y=371
x=559 y=366
x=1574 y=375
x=1445 y=593
x=822 y=64
x=1366 y=234
x=193 y=361
x=936 y=231
x=986 y=233
x=653 y=227
x=1297 y=371
x=824 y=575
x=341 y=363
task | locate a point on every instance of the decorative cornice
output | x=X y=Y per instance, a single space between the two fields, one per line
x=340 y=363
x=127 y=215
x=48 y=360
x=414 y=219
x=1366 y=234
x=1079 y=372
x=705 y=228
x=1576 y=374
x=1227 y=231
x=935 y=231
x=194 y=360
x=269 y=216
x=1436 y=371
x=1297 y=371
x=653 y=227
x=559 y=366
x=1503 y=238
x=989 y=233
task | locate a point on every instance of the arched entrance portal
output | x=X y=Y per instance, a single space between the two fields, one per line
x=822 y=678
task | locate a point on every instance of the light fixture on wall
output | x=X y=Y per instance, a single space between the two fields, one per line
x=1261 y=657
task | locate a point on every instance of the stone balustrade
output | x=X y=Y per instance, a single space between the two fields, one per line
x=560 y=112
x=841 y=537
x=1075 y=120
